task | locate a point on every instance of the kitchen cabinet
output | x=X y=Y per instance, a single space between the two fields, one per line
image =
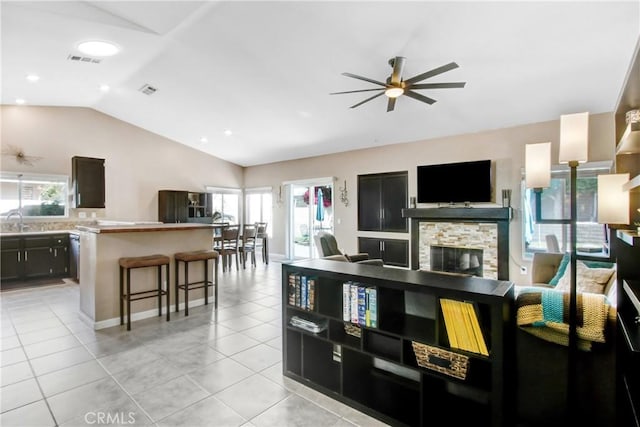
x=10 y=257
x=392 y=251
x=88 y=182
x=33 y=257
x=172 y=206
x=381 y=198
x=176 y=206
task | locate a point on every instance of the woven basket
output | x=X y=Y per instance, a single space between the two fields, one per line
x=353 y=330
x=446 y=362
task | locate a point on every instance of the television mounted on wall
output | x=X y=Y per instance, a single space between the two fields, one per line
x=462 y=182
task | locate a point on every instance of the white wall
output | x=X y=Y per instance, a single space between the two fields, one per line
x=138 y=163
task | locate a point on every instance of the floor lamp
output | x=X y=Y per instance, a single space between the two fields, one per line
x=574 y=137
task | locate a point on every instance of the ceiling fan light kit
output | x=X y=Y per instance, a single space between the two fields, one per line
x=395 y=86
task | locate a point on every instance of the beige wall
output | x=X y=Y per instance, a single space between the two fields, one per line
x=138 y=163
x=504 y=146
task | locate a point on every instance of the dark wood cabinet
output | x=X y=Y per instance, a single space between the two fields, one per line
x=398 y=364
x=88 y=182
x=35 y=257
x=184 y=206
x=172 y=206
x=11 y=257
x=381 y=198
x=392 y=251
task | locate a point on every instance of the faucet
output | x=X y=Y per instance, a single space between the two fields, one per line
x=17 y=212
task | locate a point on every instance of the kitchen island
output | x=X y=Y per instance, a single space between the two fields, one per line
x=102 y=245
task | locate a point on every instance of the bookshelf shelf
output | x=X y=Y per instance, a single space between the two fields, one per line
x=369 y=361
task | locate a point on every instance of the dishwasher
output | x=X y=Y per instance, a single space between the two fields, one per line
x=74 y=258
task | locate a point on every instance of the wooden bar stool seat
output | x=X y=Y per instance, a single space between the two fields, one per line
x=126 y=296
x=193 y=256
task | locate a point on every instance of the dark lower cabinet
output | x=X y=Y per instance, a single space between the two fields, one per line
x=35 y=257
x=10 y=259
x=392 y=251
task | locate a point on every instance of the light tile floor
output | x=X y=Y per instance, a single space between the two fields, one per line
x=212 y=368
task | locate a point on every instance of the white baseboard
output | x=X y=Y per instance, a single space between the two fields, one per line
x=108 y=323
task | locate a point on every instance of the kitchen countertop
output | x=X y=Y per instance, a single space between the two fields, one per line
x=35 y=233
x=137 y=228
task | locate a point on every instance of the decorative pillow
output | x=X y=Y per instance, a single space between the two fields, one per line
x=566 y=259
x=592 y=280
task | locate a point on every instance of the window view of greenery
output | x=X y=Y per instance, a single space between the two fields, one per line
x=33 y=195
x=556 y=204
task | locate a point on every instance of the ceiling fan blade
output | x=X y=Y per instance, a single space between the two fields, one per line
x=419 y=97
x=366 y=79
x=398 y=65
x=366 y=100
x=391 y=104
x=438 y=85
x=355 y=91
x=443 y=69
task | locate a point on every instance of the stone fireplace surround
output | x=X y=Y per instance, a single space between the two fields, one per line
x=478 y=228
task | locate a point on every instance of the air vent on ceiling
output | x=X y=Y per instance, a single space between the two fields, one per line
x=79 y=58
x=148 y=89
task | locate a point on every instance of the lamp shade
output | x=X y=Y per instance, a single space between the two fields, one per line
x=574 y=137
x=613 y=201
x=538 y=165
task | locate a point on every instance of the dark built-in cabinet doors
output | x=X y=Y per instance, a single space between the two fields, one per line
x=392 y=251
x=88 y=182
x=381 y=198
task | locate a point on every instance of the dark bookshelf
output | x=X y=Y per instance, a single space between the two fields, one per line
x=375 y=369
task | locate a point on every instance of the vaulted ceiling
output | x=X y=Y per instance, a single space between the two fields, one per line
x=264 y=70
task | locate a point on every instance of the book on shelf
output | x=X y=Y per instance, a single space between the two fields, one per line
x=359 y=304
x=301 y=291
x=462 y=326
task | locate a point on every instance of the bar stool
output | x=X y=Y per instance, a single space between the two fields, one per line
x=129 y=263
x=187 y=257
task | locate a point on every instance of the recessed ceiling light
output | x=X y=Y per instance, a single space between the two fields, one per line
x=98 y=48
x=104 y=88
x=228 y=132
x=20 y=101
x=204 y=140
x=33 y=77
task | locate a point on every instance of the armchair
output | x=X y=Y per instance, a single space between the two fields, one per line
x=328 y=248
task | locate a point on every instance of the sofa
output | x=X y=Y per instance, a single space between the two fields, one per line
x=542 y=366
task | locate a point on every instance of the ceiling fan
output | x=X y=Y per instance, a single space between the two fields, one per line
x=395 y=86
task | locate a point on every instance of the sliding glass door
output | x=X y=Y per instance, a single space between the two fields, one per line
x=310 y=208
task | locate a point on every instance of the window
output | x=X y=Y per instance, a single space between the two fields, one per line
x=225 y=204
x=33 y=195
x=258 y=206
x=556 y=204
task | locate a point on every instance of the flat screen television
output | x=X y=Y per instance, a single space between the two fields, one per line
x=455 y=182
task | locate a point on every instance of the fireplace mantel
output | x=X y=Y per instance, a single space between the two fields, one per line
x=459 y=214
x=493 y=215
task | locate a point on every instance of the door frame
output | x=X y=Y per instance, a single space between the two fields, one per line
x=288 y=185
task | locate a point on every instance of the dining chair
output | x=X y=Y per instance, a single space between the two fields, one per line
x=262 y=240
x=217 y=234
x=229 y=246
x=248 y=247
